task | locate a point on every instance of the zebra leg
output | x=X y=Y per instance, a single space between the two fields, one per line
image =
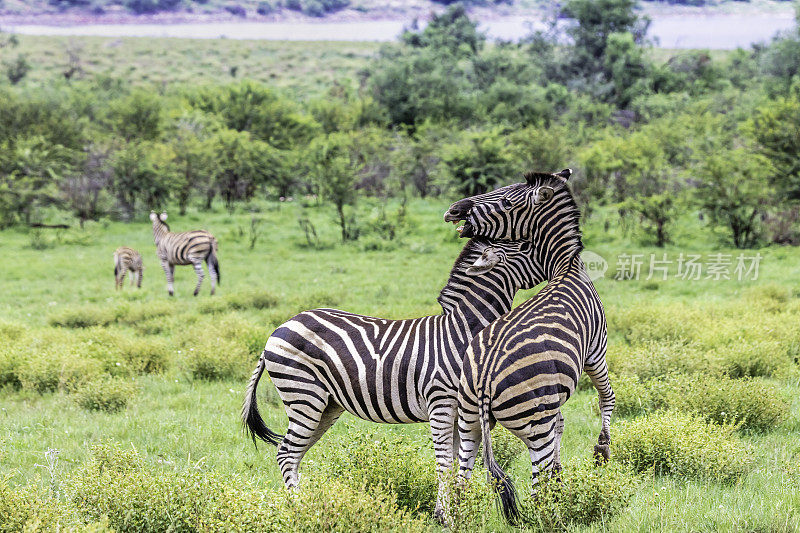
x=598 y=372
x=540 y=441
x=169 y=270
x=559 y=429
x=198 y=268
x=469 y=436
x=213 y=274
x=139 y=274
x=442 y=419
x=305 y=429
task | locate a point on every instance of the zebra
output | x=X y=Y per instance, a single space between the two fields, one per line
x=126 y=259
x=521 y=369
x=187 y=248
x=325 y=361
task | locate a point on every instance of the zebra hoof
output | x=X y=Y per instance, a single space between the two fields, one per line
x=602 y=453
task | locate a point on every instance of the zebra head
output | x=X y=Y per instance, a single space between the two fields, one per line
x=160 y=226
x=509 y=213
x=515 y=258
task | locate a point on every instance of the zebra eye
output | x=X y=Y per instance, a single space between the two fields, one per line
x=506 y=203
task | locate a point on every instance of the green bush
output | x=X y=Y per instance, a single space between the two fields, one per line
x=9 y=365
x=83 y=316
x=581 y=495
x=399 y=464
x=658 y=358
x=220 y=359
x=143 y=355
x=239 y=301
x=117 y=484
x=24 y=509
x=680 y=444
x=48 y=372
x=104 y=394
x=748 y=404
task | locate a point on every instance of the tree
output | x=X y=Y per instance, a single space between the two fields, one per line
x=478 y=162
x=86 y=192
x=138 y=116
x=734 y=190
x=334 y=170
x=30 y=173
x=776 y=128
x=143 y=176
x=242 y=165
x=196 y=166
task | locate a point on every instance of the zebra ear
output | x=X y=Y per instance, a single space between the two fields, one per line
x=153 y=216
x=163 y=217
x=485 y=263
x=564 y=174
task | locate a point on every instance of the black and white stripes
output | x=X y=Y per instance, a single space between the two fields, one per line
x=127 y=259
x=324 y=362
x=187 y=248
x=521 y=369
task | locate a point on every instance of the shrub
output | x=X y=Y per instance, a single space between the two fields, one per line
x=83 y=317
x=144 y=356
x=48 y=372
x=9 y=364
x=754 y=358
x=236 y=10
x=239 y=301
x=116 y=484
x=653 y=359
x=139 y=312
x=265 y=8
x=680 y=444
x=747 y=404
x=220 y=359
x=395 y=463
x=24 y=509
x=585 y=494
x=104 y=394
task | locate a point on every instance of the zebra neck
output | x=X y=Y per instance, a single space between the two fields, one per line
x=478 y=300
x=158 y=233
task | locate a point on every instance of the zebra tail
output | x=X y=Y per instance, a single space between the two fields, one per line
x=251 y=418
x=213 y=263
x=500 y=482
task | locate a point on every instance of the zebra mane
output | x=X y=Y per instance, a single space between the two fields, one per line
x=469 y=254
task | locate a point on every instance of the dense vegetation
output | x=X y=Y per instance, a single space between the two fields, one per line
x=119 y=410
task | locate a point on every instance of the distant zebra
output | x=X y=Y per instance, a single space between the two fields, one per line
x=326 y=361
x=521 y=369
x=126 y=259
x=187 y=248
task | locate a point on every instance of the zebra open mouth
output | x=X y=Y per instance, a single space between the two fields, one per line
x=466 y=230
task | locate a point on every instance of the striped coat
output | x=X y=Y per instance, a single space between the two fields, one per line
x=127 y=259
x=324 y=362
x=187 y=248
x=521 y=369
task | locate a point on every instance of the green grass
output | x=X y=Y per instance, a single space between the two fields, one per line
x=304 y=68
x=174 y=419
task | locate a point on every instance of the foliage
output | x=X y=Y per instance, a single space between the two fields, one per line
x=681 y=444
x=580 y=494
x=104 y=394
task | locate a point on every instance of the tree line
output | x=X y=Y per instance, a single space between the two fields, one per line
x=439 y=112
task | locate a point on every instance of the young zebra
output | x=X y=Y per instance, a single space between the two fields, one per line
x=126 y=259
x=187 y=248
x=521 y=369
x=324 y=362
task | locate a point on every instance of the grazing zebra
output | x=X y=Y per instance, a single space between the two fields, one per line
x=187 y=248
x=521 y=369
x=126 y=259
x=324 y=362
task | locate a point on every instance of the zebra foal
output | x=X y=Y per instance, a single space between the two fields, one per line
x=523 y=367
x=187 y=248
x=127 y=259
x=325 y=361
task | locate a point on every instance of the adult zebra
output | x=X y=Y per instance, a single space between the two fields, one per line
x=324 y=362
x=521 y=369
x=127 y=259
x=187 y=248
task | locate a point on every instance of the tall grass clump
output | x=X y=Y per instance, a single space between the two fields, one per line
x=399 y=464
x=580 y=495
x=681 y=444
x=748 y=404
x=84 y=316
x=26 y=509
x=105 y=393
x=119 y=485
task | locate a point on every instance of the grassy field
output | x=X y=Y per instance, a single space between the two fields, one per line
x=301 y=68
x=187 y=359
